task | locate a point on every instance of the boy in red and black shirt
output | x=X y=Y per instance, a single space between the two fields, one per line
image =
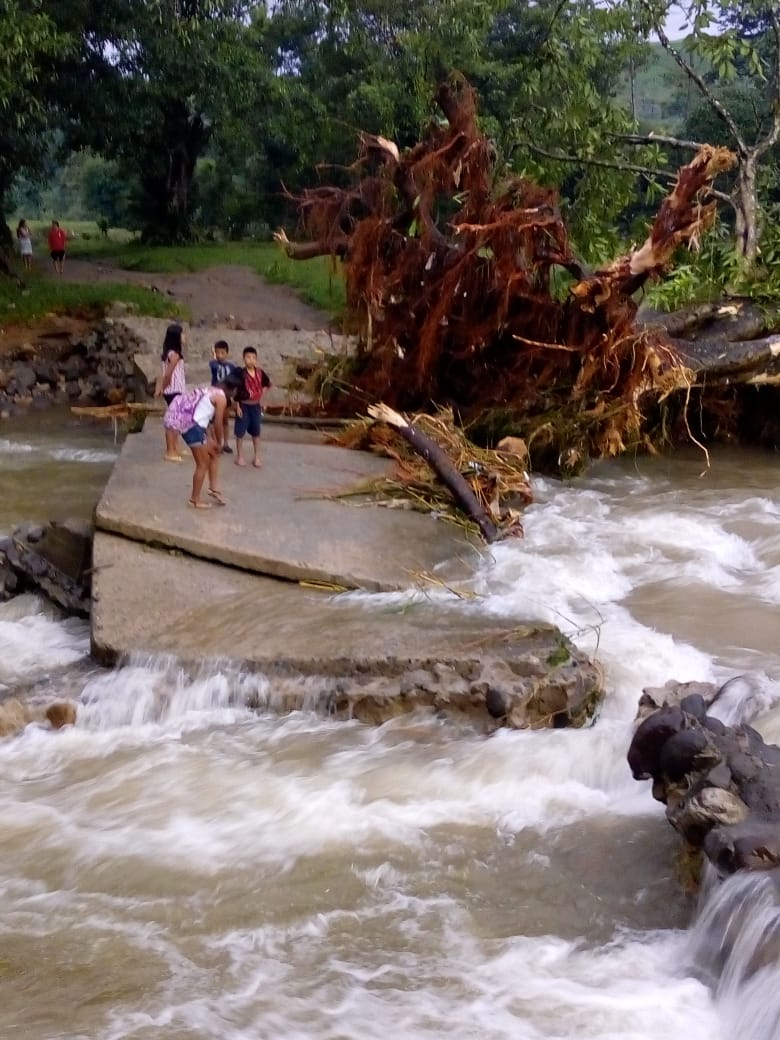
x=249 y=414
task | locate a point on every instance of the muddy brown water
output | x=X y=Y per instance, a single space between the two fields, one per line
x=177 y=867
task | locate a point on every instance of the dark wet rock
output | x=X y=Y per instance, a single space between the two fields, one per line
x=495 y=702
x=686 y=751
x=24 y=376
x=54 y=560
x=93 y=369
x=720 y=784
x=694 y=704
x=645 y=752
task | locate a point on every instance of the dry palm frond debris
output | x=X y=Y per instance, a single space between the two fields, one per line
x=453 y=273
x=497 y=479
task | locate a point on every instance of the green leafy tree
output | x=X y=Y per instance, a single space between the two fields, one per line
x=544 y=73
x=29 y=43
x=547 y=77
x=151 y=85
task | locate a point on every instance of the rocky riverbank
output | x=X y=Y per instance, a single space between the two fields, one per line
x=55 y=559
x=72 y=365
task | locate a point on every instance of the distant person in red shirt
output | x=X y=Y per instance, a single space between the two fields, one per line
x=249 y=414
x=57 y=240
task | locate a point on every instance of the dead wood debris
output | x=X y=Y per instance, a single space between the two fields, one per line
x=498 y=478
x=453 y=281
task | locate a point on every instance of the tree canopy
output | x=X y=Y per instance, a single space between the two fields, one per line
x=213 y=111
x=29 y=44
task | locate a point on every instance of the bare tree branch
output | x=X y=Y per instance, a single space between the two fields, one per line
x=654 y=138
x=693 y=75
x=675 y=142
x=774 y=133
x=609 y=164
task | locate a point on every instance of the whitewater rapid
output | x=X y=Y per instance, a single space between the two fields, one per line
x=178 y=866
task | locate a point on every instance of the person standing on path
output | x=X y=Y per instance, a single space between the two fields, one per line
x=57 y=241
x=172 y=381
x=249 y=414
x=199 y=415
x=25 y=244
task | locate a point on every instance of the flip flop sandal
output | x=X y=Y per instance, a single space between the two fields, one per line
x=218 y=497
x=200 y=505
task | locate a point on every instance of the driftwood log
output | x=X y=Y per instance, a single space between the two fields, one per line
x=443 y=466
x=720 y=784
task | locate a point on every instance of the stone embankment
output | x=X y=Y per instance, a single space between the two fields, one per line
x=96 y=367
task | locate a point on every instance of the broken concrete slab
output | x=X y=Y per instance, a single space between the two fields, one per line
x=279 y=520
x=348 y=655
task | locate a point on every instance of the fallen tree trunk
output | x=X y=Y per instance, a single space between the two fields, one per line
x=443 y=466
x=719 y=361
x=724 y=341
x=727 y=318
x=720 y=784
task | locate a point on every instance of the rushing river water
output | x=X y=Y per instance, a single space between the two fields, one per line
x=180 y=869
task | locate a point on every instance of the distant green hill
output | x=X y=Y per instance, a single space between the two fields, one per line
x=663 y=94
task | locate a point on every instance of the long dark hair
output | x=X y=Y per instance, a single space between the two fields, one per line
x=232 y=385
x=19 y=226
x=172 y=341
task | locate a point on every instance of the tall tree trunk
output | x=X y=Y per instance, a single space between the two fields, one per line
x=747 y=229
x=169 y=184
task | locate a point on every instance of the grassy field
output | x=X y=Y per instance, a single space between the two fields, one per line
x=316 y=281
x=45 y=296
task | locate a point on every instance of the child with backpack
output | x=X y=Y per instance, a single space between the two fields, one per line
x=199 y=415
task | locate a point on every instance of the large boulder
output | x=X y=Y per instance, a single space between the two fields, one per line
x=720 y=784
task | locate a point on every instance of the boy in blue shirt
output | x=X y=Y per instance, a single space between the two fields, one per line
x=221 y=368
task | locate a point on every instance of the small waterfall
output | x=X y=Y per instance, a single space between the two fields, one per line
x=736 y=943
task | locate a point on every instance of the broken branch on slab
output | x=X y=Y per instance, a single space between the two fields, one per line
x=442 y=465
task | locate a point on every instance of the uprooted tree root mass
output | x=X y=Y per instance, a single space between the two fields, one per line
x=449 y=275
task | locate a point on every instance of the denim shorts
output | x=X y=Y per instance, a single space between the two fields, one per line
x=250 y=422
x=194 y=436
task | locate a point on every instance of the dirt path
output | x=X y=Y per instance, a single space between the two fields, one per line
x=226 y=302
x=225 y=295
